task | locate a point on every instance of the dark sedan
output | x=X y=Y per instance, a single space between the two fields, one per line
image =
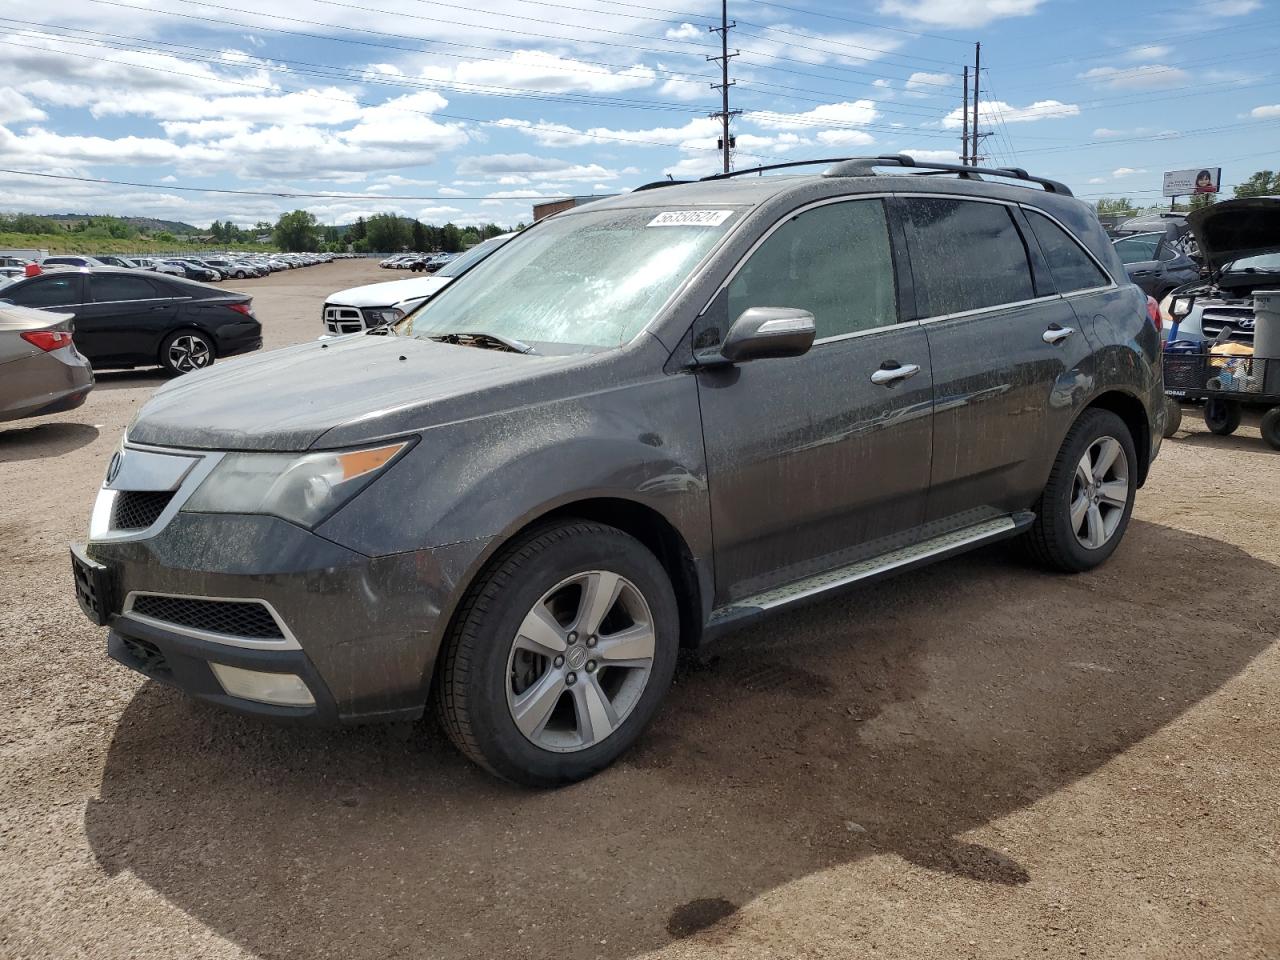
x=1155 y=263
x=127 y=319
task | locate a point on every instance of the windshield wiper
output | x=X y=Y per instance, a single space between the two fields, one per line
x=490 y=341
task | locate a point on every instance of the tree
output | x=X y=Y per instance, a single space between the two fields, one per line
x=296 y=232
x=419 y=236
x=1121 y=206
x=450 y=238
x=357 y=231
x=1264 y=183
x=1202 y=200
x=387 y=232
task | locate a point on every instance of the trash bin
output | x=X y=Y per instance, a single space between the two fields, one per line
x=1266 y=324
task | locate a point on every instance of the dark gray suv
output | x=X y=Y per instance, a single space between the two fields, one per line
x=641 y=423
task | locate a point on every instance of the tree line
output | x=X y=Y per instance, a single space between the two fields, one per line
x=300 y=232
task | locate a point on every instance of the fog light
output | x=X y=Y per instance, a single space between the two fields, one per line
x=283 y=689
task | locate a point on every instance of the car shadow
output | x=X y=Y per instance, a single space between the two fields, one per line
x=41 y=440
x=890 y=721
x=130 y=379
x=1234 y=441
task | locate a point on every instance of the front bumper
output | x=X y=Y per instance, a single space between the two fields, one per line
x=362 y=632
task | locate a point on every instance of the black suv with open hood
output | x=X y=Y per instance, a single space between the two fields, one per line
x=636 y=426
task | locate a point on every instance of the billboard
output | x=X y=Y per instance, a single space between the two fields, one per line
x=1185 y=183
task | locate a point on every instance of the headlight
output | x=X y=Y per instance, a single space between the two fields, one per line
x=1181 y=307
x=384 y=315
x=303 y=489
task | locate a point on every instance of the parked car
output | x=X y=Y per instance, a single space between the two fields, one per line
x=1240 y=243
x=647 y=421
x=43 y=371
x=1155 y=264
x=124 y=318
x=168 y=267
x=70 y=261
x=193 y=270
x=377 y=304
x=113 y=261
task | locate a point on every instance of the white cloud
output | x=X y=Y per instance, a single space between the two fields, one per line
x=1233 y=8
x=927 y=84
x=15 y=108
x=539 y=70
x=995 y=111
x=686 y=31
x=958 y=13
x=857 y=112
x=1150 y=52
x=1125 y=172
x=1097 y=179
x=563 y=135
x=932 y=156
x=844 y=138
x=1150 y=76
x=493 y=165
x=1265 y=112
x=452 y=192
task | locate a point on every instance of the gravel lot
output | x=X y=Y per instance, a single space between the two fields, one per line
x=977 y=760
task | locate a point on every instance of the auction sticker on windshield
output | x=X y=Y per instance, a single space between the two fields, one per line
x=690 y=218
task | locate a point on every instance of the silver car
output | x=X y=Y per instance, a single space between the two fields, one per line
x=41 y=371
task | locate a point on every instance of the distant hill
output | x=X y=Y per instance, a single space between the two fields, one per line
x=147 y=224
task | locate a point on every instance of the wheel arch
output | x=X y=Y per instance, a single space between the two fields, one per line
x=1130 y=409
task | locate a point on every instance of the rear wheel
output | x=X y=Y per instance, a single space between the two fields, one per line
x=560 y=654
x=186 y=350
x=1085 y=507
x=1270 y=427
x=1222 y=416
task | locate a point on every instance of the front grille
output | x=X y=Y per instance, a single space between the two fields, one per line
x=150 y=660
x=1238 y=323
x=234 y=618
x=137 y=510
x=340 y=320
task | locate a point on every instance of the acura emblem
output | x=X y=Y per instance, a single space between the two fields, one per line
x=113 y=467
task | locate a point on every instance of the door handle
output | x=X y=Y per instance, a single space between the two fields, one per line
x=888 y=375
x=1056 y=334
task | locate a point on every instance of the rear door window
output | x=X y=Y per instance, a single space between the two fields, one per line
x=1072 y=268
x=113 y=288
x=834 y=261
x=47 y=292
x=965 y=255
x=1137 y=249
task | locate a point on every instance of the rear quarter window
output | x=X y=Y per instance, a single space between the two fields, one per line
x=1072 y=268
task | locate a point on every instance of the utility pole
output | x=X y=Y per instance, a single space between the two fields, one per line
x=964 y=137
x=725 y=114
x=977 y=137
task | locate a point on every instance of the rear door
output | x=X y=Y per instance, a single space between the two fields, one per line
x=1001 y=346
x=812 y=465
x=1139 y=254
x=124 y=317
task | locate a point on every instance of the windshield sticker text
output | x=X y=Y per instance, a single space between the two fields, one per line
x=690 y=218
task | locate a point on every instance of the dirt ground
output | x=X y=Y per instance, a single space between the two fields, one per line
x=976 y=760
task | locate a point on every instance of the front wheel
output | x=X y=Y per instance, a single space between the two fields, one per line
x=559 y=655
x=185 y=351
x=1172 y=417
x=1085 y=507
x=1270 y=427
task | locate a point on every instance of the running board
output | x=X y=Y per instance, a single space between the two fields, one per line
x=937 y=548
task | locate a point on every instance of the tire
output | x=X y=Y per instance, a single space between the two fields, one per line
x=1075 y=530
x=1172 y=417
x=490 y=669
x=1270 y=427
x=186 y=350
x=1222 y=416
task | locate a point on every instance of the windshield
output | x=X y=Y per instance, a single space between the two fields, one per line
x=474 y=255
x=1263 y=263
x=590 y=279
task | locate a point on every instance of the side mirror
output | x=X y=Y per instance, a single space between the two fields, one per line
x=762 y=332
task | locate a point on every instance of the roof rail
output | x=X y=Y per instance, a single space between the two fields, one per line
x=866 y=166
x=773 y=166
x=655 y=184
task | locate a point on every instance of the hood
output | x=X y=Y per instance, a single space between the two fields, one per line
x=288 y=399
x=1233 y=229
x=389 y=293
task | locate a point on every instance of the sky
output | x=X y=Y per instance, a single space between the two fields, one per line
x=469 y=111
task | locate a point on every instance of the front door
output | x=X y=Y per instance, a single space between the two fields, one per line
x=812 y=464
x=123 y=319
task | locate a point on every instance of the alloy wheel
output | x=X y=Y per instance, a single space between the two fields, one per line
x=580 y=661
x=189 y=352
x=1099 y=492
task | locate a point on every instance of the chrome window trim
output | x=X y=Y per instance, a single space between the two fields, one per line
x=289 y=642
x=95 y=303
x=837 y=338
x=996 y=308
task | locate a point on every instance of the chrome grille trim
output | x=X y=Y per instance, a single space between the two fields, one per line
x=339 y=320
